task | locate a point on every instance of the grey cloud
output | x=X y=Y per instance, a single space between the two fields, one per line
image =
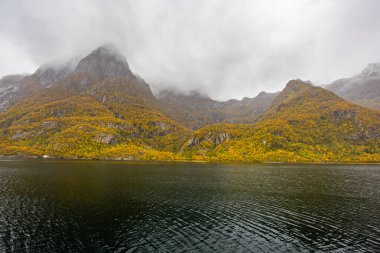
x=227 y=49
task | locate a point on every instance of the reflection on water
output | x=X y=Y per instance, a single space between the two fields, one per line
x=62 y=206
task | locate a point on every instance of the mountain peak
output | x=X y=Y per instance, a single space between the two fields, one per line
x=372 y=70
x=297 y=85
x=294 y=89
x=105 y=61
x=108 y=50
x=362 y=88
x=262 y=93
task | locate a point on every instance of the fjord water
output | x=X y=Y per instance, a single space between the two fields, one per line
x=74 y=206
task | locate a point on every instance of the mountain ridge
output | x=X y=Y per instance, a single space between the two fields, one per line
x=100 y=109
x=196 y=110
x=304 y=124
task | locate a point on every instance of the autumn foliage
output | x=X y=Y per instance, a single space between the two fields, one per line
x=304 y=124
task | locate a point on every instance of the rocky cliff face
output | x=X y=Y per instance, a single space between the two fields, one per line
x=8 y=88
x=15 y=88
x=104 y=62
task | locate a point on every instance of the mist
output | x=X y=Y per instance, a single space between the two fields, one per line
x=226 y=49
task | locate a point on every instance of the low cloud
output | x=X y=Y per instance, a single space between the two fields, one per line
x=227 y=49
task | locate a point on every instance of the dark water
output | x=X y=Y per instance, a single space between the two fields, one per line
x=76 y=206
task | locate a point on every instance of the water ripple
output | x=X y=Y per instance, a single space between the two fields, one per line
x=121 y=207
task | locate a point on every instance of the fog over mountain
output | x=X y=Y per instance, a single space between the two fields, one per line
x=226 y=49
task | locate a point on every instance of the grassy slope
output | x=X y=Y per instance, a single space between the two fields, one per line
x=59 y=124
x=113 y=120
x=304 y=124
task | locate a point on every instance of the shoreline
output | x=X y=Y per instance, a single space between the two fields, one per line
x=38 y=158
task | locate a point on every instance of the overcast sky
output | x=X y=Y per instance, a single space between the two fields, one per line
x=228 y=49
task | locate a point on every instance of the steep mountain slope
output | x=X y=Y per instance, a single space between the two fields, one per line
x=99 y=110
x=17 y=87
x=14 y=88
x=196 y=110
x=304 y=123
x=363 y=89
x=7 y=89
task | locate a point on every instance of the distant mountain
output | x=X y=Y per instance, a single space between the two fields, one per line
x=304 y=123
x=14 y=88
x=195 y=110
x=363 y=89
x=192 y=110
x=248 y=110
